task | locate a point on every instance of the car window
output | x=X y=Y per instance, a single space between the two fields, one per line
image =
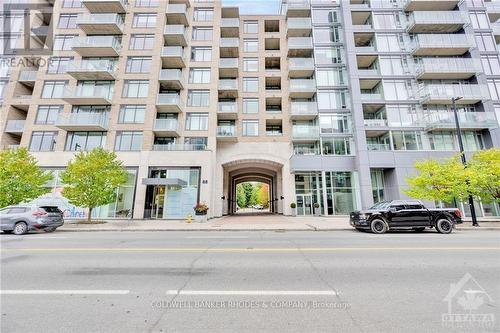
x=414 y=206
x=17 y=210
x=398 y=207
x=51 y=209
x=4 y=210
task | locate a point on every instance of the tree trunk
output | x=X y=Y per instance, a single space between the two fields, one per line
x=89 y=218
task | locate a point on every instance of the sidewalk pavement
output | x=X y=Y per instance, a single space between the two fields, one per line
x=243 y=223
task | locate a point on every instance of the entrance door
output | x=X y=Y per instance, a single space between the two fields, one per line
x=304 y=204
x=158 y=201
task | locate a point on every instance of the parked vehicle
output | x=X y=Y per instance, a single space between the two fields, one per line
x=21 y=219
x=405 y=214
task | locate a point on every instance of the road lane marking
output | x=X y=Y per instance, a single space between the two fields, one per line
x=216 y=237
x=63 y=292
x=252 y=292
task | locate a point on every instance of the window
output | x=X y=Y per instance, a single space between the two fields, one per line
x=485 y=42
x=85 y=140
x=199 y=75
x=491 y=64
x=327 y=35
x=63 y=42
x=196 y=142
x=132 y=114
x=135 y=88
x=147 y=3
x=334 y=124
x=43 y=141
x=494 y=86
x=142 y=42
x=325 y=16
x=397 y=89
x=251 y=27
x=250 y=84
x=328 y=55
x=198 y=98
x=328 y=100
x=336 y=146
x=377 y=177
x=250 y=64
x=250 y=127
x=47 y=114
x=197 y=121
x=201 y=54
x=390 y=42
x=203 y=14
x=251 y=45
x=479 y=20
x=202 y=33
x=327 y=77
x=138 y=65
x=72 y=4
x=53 y=89
x=250 y=105
x=393 y=65
x=274 y=130
x=128 y=141
x=144 y=20
x=406 y=140
x=58 y=65
x=67 y=21
x=386 y=20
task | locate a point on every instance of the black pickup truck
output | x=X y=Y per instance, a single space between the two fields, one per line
x=405 y=214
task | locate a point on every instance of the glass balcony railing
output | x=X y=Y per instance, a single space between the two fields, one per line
x=300 y=43
x=371 y=97
x=101 y=18
x=305 y=132
x=227 y=107
x=302 y=85
x=226 y=130
x=229 y=42
x=230 y=23
x=166 y=124
x=168 y=99
x=83 y=119
x=15 y=125
x=467 y=120
x=175 y=29
x=27 y=76
x=436 y=17
x=448 y=65
x=378 y=146
x=228 y=63
x=99 y=6
x=228 y=84
x=87 y=92
x=298 y=4
x=303 y=108
x=92 y=66
x=306 y=150
x=172 y=51
x=375 y=122
x=449 y=91
x=300 y=63
x=97 y=42
x=299 y=23
x=170 y=75
x=441 y=41
x=179 y=147
x=178 y=8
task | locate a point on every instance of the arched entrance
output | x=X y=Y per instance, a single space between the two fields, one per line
x=253 y=170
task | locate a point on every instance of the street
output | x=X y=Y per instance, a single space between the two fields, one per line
x=261 y=281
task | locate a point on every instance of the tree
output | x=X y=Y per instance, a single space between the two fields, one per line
x=263 y=195
x=21 y=179
x=483 y=172
x=241 y=198
x=91 y=179
x=248 y=189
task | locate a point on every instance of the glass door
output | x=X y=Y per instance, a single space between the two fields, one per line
x=158 y=201
x=304 y=204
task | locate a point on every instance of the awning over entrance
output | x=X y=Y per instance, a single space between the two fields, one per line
x=163 y=181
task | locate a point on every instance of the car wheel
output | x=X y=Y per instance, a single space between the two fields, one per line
x=49 y=229
x=379 y=226
x=444 y=226
x=420 y=229
x=20 y=228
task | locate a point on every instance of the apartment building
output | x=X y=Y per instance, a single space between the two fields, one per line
x=328 y=102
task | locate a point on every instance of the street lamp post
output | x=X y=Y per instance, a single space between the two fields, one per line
x=464 y=161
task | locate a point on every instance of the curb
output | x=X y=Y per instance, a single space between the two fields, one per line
x=276 y=230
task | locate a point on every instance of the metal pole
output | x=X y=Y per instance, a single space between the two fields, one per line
x=464 y=161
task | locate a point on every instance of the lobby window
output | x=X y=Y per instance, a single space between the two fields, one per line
x=85 y=140
x=63 y=42
x=67 y=21
x=128 y=141
x=250 y=105
x=251 y=27
x=43 y=141
x=199 y=75
x=250 y=127
x=47 y=114
x=201 y=54
x=340 y=193
x=141 y=42
x=135 y=88
x=147 y=3
x=250 y=64
x=336 y=146
x=144 y=20
x=58 y=65
x=407 y=140
x=250 y=84
x=138 y=64
x=203 y=14
x=377 y=177
x=198 y=98
x=251 y=45
x=197 y=121
x=132 y=114
x=196 y=142
x=53 y=89
x=203 y=33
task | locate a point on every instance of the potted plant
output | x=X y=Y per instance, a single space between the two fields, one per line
x=293 y=206
x=316 y=209
x=200 y=211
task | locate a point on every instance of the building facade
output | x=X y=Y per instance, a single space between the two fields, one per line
x=328 y=102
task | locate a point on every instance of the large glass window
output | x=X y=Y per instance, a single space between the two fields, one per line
x=85 y=140
x=202 y=33
x=67 y=21
x=250 y=105
x=331 y=100
x=144 y=20
x=340 y=193
x=47 y=114
x=491 y=64
x=198 y=98
x=201 y=54
x=250 y=127
x=63 y=42
x=327 y=35
x=43 y=141
x=334 y=123
x=199 y=75
x=336 y=146
x=406 y=140
x=58 y=65
x=141 y=42
x=250 y=84
x=251 y=27
x=132 y=114
x=328 y=77
x=328 y=55
x=135 y=88
x=325 y=16
x=250 y=64
x=203 y=14
x=128 y=141
x=197 y=121
x=251 y=45
x=377 y=177
x=53 y=89
x=138 y=64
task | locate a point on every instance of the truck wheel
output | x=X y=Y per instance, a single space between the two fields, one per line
x=444 y=226
x=419 y=229
x=379 y=226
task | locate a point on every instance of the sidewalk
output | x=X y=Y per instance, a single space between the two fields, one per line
x=242 y=223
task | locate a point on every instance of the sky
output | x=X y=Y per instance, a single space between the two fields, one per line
x=255 y=7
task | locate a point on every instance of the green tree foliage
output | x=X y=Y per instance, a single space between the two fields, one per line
x=248 y=189
x=483 y=171
x=21 y=179
x=249 y=194
x=263 y=195
x=241 y=198
x=91 y=179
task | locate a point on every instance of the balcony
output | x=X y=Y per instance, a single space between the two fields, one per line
x=378 y=146
x=228 y=67
x=493 y=10
x=496 y=31
x=300 y=67
x=229 y=47
x=173 y=57
x=300 y=47
x=467 y=120
x=368 y=98
x=298 y=8
x=228 y=88
x=171 y=79
x=227 y=110
x=177 y=14
x=97 y=46
x=106 y=6
x=299 y=27
x=92 y=70
x=447 y=68
x=87 y=121
x=166 y=127
x=27 y=77
x=375 y=123
x=436 y=22
x=443 y=93
x=441 y=44
x=412 y=5
x=305 y=133
x=15 y=126
x=230 y=27
x=179 y=147
x=101 y=24
x=89 y=95
x=226 y=133
x=175 y=35
x=302 y=88
x=168 y=102
x=303 y=110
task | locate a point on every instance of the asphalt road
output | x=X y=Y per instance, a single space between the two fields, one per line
x=339 y=281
